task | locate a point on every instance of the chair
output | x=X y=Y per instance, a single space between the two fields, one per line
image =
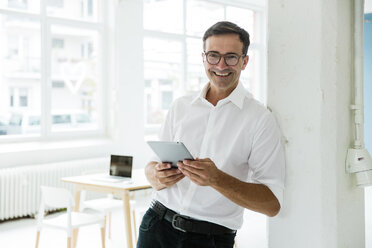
x=62 y=198
x=103 y=205
x=106 y=205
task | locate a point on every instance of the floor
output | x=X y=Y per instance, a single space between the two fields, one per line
x=21 y=233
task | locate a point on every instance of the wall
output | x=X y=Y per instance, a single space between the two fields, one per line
x=309 y=91
x=368 y=111
x=368 y=80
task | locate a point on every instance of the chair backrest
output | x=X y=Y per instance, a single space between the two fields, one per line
x=57 y=197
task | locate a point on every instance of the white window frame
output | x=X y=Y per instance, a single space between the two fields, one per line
x=46 y=22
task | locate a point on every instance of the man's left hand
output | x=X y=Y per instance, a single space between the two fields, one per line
x=203 y=172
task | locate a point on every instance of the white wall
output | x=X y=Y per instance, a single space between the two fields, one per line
x=309 y=90
x=129 y=83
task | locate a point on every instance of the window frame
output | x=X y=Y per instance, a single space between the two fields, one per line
x=46 y=22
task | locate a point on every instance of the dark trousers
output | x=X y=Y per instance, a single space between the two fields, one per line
x=155 y=232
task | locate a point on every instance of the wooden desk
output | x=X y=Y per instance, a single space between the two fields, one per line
x=121 y=189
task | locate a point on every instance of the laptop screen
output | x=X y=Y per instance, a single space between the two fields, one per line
x=121 y=166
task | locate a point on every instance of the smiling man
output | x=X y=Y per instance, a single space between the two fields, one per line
x=223 y=73
x=239 y=157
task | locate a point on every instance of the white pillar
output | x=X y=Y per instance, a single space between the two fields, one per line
x=129 y=83
x=309 y=90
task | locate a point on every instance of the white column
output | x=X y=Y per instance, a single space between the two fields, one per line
x=129 y=83
x=309 y=91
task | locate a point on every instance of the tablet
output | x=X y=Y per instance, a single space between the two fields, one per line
x=171 y=152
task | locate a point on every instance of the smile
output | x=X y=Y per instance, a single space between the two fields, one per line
x=222 y=74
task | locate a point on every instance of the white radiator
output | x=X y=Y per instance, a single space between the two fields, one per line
x=20 y=193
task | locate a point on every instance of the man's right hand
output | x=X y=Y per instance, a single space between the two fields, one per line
x=162 y=175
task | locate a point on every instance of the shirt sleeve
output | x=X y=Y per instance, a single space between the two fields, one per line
x=267 y=159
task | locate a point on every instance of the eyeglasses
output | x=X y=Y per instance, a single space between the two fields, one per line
x=214 y=58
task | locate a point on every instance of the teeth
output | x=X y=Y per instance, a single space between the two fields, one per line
x=223 y=75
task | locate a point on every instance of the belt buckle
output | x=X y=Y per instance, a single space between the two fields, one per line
x=174 y=221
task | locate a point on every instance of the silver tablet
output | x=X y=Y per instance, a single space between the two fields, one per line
x=171 y=152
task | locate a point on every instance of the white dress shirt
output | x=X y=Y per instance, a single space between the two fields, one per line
x=240 y=136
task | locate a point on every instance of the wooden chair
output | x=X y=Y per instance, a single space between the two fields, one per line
x=61 y=198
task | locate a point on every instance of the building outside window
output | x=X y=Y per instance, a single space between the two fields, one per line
x=49 y=66
x=23 y=97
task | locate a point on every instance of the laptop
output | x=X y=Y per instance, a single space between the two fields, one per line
x=120 y=169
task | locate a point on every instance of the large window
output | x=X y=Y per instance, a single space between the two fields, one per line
x=173 y=31
x=50 y=75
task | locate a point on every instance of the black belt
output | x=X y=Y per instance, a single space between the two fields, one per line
x=187 y=224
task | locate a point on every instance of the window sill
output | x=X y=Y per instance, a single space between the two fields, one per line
x=25 y=153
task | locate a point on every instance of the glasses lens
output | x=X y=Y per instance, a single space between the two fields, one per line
x=213 y=58
x=231 y=59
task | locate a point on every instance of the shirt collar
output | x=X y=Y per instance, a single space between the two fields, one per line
x=236 y=96
x=202 y=94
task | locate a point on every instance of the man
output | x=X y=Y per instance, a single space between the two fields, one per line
x=239 y=157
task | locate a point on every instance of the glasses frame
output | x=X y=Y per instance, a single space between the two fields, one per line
x=224 y=57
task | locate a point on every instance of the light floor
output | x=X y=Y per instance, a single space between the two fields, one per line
x=21 y=233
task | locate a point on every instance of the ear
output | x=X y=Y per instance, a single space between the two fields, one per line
x=245 y=62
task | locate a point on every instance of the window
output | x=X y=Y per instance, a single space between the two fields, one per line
x=58 y=43
x=23 y=97
x=86 y=10
x=163 y=61
x=18 y=97
x=56 y=3
x=58 y=84
x=19 y=4
x=166 y=99
x=11 y=97
x=50 y=77
x=172 y=50
x=23 y=5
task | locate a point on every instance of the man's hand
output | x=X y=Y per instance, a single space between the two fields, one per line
x=166 y=175
x=256 y=197
x=161 y=175
x=203 y=172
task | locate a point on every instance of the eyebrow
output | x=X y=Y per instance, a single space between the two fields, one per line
x=211 y=51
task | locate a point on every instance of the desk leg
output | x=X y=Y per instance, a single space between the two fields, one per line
x=77 y=193
x=75 y=231
x=127 y=219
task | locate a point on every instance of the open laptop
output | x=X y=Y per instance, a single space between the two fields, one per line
x=120 y=169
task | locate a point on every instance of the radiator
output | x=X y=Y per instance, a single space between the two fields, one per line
x=20 y=192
